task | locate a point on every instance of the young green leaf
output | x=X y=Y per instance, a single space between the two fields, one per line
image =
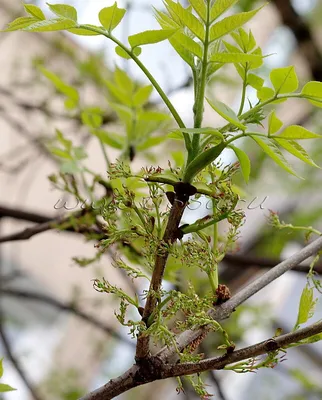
x=284 y=80
x=34 y=11
x=243 y=161
x=306 y=307
x=142 y=95
x=226 y=112
x=201 y=161
x=274 y=153
x=274 y=123
x=313 y=90
x=220 y=7
x=200 y=7
x=112 y=139
x=266 y=93
x=122 y=53
x=231 y=23
x=20 y=23
x=234 y=58
x=6 y=388
x=49 y=25
x=186 y=19
x=150 y=142
x=110 y=17
x=149 y=37
x=296 y=132
x=189 y=44
x=255 y=81
x=296 y=150
x=123 y=80
x=61 y=86
x=64 y=11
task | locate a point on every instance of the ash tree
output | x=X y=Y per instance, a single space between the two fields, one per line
x=139 y=216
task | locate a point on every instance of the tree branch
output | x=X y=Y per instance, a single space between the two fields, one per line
x=223 y=311
x=66 y=307
x=303 y=35
x=16 y=364
x=139 y=375
x=162 y=253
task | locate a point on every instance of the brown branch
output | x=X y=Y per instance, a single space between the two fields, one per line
x=303 y=35
x=162 y=253
x=66 y=307
x=54 y=223
x=155 y=370
x=248 y=261
x=255 y=350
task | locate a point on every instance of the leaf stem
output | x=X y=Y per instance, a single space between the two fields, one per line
x=200 y=89
x=147 y=73
x=242 y=103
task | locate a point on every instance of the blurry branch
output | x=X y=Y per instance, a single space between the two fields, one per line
x=66 y=307
x=248 y=261
x=154 y=369
x=53 y=223
x=303 y=35
x=16 y=364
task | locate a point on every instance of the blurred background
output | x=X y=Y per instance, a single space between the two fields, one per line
x=59 y=337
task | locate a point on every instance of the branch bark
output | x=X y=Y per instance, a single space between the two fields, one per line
x=137 y=375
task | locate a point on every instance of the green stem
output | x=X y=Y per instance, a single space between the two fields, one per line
x=155 y=84
x=242 y=103
x=105 y=155
x=213 y=279
x=198 y=227
x=200 y=94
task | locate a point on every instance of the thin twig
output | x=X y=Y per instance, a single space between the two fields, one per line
x=66 y=307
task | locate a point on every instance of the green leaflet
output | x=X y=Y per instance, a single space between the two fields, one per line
x=274 y=123
x=284 y=80
x=297 y=132
x=306 y=307
x=149 y=37
x=142 y=95
x=123 y=81
x=234 y=58
x=274 y=153
x=189 y=44
x=244 y=162
x=185 y=18
x=20 y=23
x=314 y=90
x=201 y=161
x=226 y=112
x=34 y=11
x=112 y=139
x=266 y=93
x=62 y=87
x=6 y=388
x=296 y=150
x=220 y=7
x=255 y=81
x=110 y=17
x=151 y=142
x=231 y=23
x=64 y=11
x=200 y=7
x=48 y=25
